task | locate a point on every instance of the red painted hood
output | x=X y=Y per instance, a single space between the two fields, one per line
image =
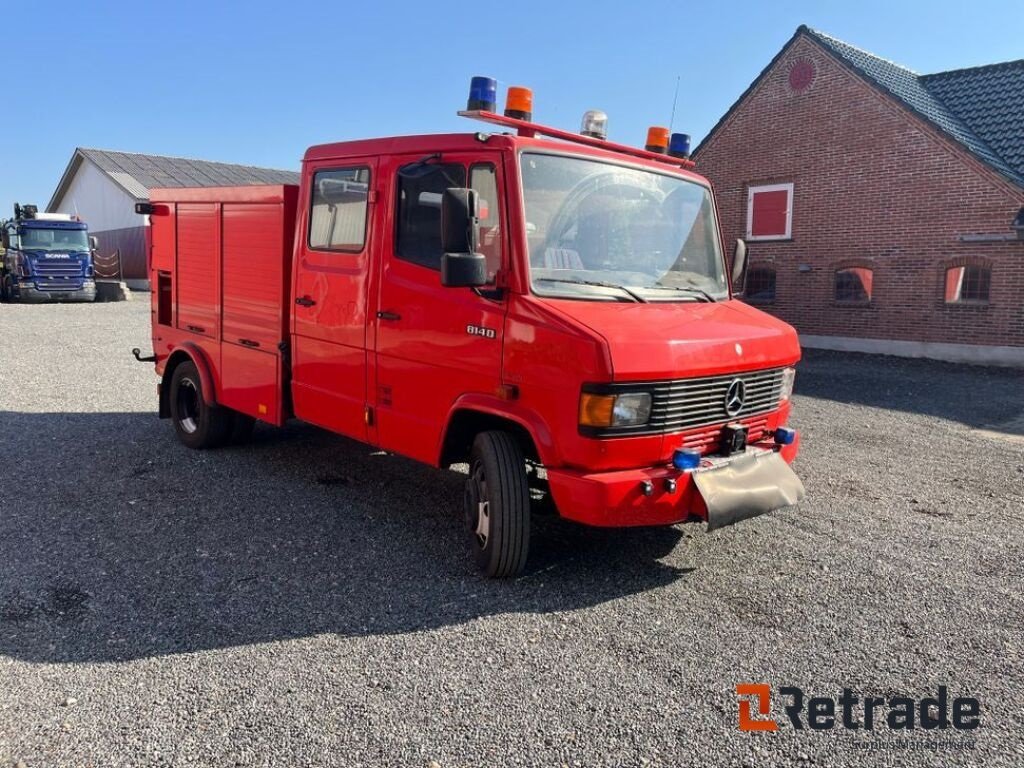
x=661 y=340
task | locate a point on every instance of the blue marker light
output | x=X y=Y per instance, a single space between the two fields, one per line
x=483 y=94
x=686 y=458
x=785 y=436
x=679 y=145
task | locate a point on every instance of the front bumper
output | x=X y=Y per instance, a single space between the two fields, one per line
x=39 y=293
x=616 y=499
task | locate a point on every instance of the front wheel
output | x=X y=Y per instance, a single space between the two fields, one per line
x=497 y=505
x=197 y=423
x=6 y=288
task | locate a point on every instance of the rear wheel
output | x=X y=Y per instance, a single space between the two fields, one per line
x=497 y=505
x=197 y=423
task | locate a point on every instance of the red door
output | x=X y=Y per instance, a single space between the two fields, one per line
x=329 y=319
x=433 y=343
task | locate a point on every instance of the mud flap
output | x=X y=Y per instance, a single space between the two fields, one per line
x=747 y=486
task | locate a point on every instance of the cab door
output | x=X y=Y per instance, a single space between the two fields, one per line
x=434 y=343
x=332 y=275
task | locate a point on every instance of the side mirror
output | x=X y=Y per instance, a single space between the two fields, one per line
x=94 y=244
x=739 y=267
x=461 y=265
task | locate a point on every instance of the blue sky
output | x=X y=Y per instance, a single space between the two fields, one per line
x=258 y=82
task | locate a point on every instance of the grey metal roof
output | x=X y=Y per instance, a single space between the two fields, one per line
x=982 y=109
x=137 y=173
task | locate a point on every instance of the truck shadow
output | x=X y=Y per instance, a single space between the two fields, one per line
x=117 y=543
x=976 y=396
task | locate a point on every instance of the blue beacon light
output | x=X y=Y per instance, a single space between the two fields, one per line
x=686 y=458
x=483 y=95
x=679 y=145
x=785 y=436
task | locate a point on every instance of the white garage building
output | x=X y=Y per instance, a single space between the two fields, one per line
x=102 y=187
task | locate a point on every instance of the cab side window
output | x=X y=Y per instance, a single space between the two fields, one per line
x=337 y=211
x=483 y=179
x=420 y=188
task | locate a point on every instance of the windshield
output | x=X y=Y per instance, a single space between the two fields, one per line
x=608 y=232
x=53 y=239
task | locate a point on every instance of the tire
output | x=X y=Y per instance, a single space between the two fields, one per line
x=497 y=505
x=241 y=428
x=5 y=288
x=197 y=424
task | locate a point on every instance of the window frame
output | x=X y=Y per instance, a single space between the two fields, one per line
x=366 y=212
x=762 y=266
x=967 y=302
x=857 y=302
x=397 y=209
x=753 y=190
x=497 y=203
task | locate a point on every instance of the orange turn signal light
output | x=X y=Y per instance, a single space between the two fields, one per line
x=596 y=410
x=519 y=103
x=657 y=139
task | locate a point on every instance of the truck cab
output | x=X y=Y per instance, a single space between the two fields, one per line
x=48 y=257
x=555 y=314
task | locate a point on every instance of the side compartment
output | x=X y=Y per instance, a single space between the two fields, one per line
x=221 y=272
x=255 y=280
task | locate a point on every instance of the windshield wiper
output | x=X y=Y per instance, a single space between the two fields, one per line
x=705 y=296
x=597 y=283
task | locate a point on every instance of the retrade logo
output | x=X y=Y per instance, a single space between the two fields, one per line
x=762 y=694
x=822 y=713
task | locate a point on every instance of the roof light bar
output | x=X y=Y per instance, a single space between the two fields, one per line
x=595 y=124
x=679 y=145
x=657 y=139
x=519 y=103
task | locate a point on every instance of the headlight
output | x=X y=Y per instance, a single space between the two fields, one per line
x=788 y=376
x=628 y=409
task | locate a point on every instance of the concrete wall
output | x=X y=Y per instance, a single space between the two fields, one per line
x=874 y=186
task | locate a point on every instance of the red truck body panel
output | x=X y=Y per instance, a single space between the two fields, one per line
x=374 y=347
x=221 y=275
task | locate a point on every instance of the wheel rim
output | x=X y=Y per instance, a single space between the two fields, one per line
x=188 y=406
x=478 y=508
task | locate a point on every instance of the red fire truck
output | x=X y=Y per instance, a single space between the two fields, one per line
x=550 y=308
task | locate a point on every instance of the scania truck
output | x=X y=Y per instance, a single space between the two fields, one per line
x=550 y=310
x=48 y=257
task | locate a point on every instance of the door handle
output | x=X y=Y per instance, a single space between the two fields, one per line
x=305 y=301
x=389 y=316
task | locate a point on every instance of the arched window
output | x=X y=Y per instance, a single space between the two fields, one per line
x=760 y=283
x=967 y=284
x=854 y=284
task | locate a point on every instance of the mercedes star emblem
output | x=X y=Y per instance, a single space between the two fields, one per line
x=735 y=396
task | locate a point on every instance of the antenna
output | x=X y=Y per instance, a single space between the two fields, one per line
x=675 y=98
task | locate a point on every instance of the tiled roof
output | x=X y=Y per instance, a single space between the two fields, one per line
x=927 y=96
x=982 y=108
x=137 y=173
x=990 y=100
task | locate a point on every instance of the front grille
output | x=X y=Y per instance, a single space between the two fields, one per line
x=688 y=405
x=684 y=404
x=57 y=269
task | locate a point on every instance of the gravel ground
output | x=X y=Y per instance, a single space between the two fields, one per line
x=307 y=601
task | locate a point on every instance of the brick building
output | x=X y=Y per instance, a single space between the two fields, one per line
x=882 y=208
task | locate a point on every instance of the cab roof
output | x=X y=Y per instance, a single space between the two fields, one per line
x=480 y=140
x=49 y=224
